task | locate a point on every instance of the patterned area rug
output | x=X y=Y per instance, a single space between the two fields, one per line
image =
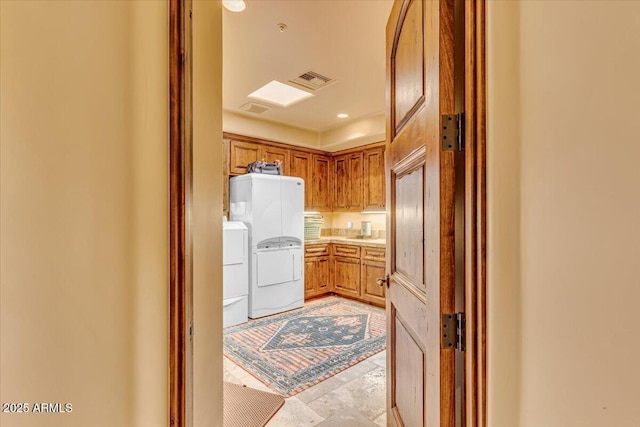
x=292 y=351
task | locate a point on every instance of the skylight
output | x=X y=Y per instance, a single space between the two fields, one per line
x=280 y=94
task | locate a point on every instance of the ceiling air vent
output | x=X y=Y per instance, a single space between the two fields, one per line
x=252 y=107
x=312 y=80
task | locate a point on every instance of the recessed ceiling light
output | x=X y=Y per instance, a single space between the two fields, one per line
x=234 y=5
x=280 y=94
x=343 y=115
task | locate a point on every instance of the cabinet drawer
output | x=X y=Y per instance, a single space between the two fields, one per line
x=316 y=250
x=346 y=250
x=373 y=254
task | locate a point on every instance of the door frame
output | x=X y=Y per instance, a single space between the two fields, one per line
x=475 y=213
x=180 y=206
x=181 y=171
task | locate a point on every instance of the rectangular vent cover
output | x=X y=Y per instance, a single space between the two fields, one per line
x=252 y=107
x=312 y=80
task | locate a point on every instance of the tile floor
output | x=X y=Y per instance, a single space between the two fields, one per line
x=353 y=398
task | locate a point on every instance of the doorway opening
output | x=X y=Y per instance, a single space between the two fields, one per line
x=474 y=274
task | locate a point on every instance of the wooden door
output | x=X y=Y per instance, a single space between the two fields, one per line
x=270 y=154
x=354 y=182
x=301 y=167
x=341 y=184
x=322 y=186
x=374 y=193
x=420 y=179
x=346 y=273
x=241 y=154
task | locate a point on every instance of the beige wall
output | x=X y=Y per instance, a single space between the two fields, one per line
x=83 y=226
x=207 y=212
x=247 y=126
x=564 y=249
x=365 y=130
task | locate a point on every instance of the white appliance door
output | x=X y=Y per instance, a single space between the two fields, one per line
x=293 y=207
x=274 y=267
x=234 y=250
x=266 y=208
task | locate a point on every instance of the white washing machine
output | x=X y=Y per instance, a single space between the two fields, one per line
x=272 y=207
x=235 y=273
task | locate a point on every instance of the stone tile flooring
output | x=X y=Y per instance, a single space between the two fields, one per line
x=353 y=398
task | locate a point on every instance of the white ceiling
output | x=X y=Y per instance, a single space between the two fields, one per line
x=341 y=39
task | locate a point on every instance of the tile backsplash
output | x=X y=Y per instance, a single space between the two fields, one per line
x=336 y=224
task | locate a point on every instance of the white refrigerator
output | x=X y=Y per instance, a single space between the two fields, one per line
x=272 y=208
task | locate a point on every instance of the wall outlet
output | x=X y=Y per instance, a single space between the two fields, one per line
x=349 y=225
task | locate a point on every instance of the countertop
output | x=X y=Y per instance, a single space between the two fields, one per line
x=346 y=240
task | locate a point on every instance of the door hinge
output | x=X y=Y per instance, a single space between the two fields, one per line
x=453 y=331
x=452 y=132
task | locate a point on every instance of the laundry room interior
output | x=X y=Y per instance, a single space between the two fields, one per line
x=305 y=224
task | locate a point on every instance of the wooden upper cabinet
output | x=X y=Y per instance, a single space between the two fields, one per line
x=241 y=154
x=374 y=186
x=352 y=180
x=302 y=167
x=341 y=189
x=270 y=154
x=348 y=188
x=322 y=180
x=356 y=189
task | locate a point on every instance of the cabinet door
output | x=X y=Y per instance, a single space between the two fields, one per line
x=354 y=180
x=241 y=154
x=346 y=273
x=374 y=194
x=369 y=289
x=301 y=168
x=271 y=154
x=323 y=278
x=341 y=186
x=309 y=277
x=322 y=188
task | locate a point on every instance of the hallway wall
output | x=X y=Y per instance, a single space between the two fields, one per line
x=563 y=200
x=207 y=213
x=83 y=211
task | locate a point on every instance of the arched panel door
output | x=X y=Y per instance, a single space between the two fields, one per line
x=420 y=179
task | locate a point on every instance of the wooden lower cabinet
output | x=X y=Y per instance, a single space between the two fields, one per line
x=351 y=271
x=322 y=283
x=370 y=290
x=317 y=271
x=309 y=277
x=316 y=276
x=346 y=276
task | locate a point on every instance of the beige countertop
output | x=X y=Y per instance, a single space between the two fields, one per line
x=350 y=241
